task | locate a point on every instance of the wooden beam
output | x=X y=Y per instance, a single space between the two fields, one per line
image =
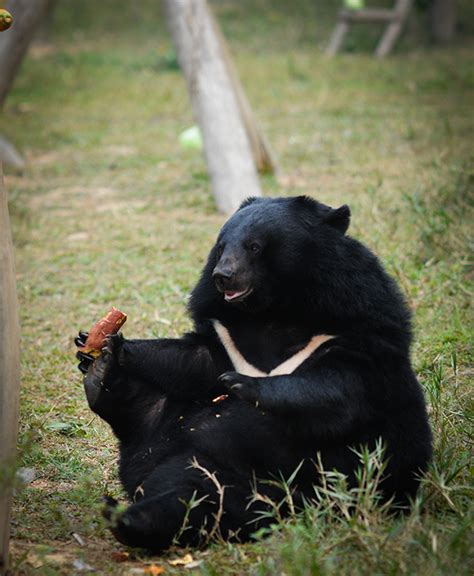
x=394 y=18
x=14 y=43
x=394 y=29
x=337 y=38
x=262 y=154
x=9 y=374
x=368 y=15
x=215 y=104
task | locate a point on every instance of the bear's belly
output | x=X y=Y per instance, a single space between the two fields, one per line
x=237 y=432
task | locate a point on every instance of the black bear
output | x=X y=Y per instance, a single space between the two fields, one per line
x=304 y=339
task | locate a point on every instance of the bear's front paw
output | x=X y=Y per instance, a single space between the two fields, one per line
x=104 y=370
x=85 y=359
x=112 y=510
x=111 y=351
x=243 y=387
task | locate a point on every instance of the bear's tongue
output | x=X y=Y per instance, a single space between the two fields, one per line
x=230 y=295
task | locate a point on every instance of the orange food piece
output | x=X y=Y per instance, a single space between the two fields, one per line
x=107 y=326
x=220 y=398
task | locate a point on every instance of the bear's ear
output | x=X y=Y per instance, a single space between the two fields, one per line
x=248 y=201
x=339 y=218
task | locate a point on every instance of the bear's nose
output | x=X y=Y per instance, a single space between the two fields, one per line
x=222 y=276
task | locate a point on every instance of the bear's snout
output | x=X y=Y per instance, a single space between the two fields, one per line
x=223 y=276
x=230 y=280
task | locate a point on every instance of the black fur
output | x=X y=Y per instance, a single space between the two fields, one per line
x=298 y=275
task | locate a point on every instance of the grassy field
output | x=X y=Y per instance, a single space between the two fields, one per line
x=112 y=211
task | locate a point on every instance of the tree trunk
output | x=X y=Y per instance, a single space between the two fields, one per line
x=27 y=15
x=9 y=374
x=215 y=105
x=47 y=22
x=443 y=20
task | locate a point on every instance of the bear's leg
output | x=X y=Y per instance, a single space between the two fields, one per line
x=188 y=508
x=111 y=392
x=157 y=523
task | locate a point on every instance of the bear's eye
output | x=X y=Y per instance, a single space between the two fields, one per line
x=219 y=251
x=255 y=248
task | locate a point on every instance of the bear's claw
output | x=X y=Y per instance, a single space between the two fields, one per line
x=81 y=338
x=242 y=386
x=85 y=360
x=110 y=349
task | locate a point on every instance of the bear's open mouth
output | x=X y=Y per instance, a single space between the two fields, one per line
x=234 y=296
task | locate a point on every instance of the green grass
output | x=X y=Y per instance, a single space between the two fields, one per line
x=112 y=211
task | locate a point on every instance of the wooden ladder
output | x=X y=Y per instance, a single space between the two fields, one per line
x=394 y=18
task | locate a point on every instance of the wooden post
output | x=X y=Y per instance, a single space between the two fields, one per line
x=27 y=15
x=443 y=15
x=9 y=374
x=9 y=155
x=14 y=42
x=337 y=38
x=394 y=29
x=215 y=105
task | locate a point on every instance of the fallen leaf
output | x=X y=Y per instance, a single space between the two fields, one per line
x=153 y=569
x=59 y=426
x=34 y=560
x=58 y=558
x=194 y=564
x=26 y=475
x=82 y=566
x=186 y=559
x=119 y=556
x=78 y=538
x=77 y=237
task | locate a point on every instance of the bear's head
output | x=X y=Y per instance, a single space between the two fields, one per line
x=266 y=250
